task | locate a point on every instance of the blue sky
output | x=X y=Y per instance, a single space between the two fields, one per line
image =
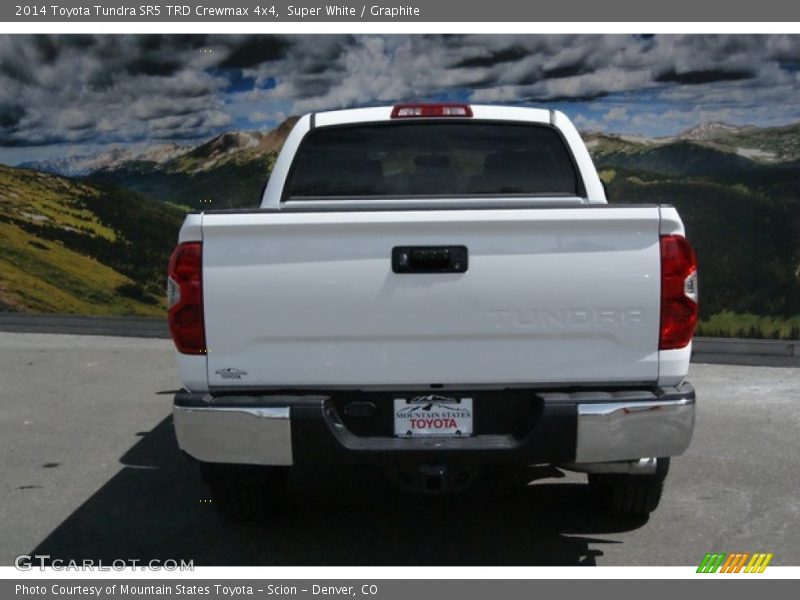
x=68 y=95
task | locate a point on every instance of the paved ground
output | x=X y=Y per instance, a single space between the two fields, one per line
x=89 y=469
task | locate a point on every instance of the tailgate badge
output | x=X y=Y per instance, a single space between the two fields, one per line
x=230 y=373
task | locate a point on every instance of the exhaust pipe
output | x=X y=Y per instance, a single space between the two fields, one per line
x=642 y=466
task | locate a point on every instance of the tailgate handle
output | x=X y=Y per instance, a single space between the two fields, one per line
x=429 y=259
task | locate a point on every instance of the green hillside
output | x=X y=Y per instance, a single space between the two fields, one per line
x=747 y=239
x=738 y=192
x=73 y=247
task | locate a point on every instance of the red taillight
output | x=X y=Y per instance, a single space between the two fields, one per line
x=678 y=292
x=185 y=298
x=414 y=111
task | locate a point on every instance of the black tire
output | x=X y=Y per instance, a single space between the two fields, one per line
x=244 y=492
x=630 y=495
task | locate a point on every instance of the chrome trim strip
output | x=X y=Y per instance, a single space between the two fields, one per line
x=607 y=408
x=266 y=412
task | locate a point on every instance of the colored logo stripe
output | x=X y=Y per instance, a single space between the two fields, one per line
x=711 y=562
x=734 y=562
x=758 y=563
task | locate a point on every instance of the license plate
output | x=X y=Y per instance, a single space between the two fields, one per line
x=432 y=415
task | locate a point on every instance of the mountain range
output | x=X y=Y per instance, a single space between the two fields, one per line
x=736 y=187
x=231 y=169
x=84 y=164
x=763 y=145
x=227 y=171
x=773 y=144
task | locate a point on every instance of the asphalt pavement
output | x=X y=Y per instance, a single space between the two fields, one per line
x=90 y=469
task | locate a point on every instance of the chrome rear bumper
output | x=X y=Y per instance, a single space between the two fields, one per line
x=602 y=431
x=618 y=431
x=246 y=435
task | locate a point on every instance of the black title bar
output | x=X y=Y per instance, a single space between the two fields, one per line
x=252 y=11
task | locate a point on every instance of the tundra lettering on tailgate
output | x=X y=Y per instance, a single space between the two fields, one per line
x=536 y=318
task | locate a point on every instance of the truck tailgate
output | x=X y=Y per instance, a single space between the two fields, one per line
x=567 y=295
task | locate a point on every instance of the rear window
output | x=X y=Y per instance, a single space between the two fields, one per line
x=432 y=159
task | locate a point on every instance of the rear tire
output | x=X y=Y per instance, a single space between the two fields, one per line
x=630 y=495
x=245 y=492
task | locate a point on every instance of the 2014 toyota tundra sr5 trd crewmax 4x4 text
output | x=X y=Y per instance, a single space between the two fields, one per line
x=436 y=288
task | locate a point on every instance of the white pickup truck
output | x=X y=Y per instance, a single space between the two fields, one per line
x=437 y=288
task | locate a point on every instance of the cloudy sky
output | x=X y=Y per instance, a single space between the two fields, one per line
x=77 y=94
